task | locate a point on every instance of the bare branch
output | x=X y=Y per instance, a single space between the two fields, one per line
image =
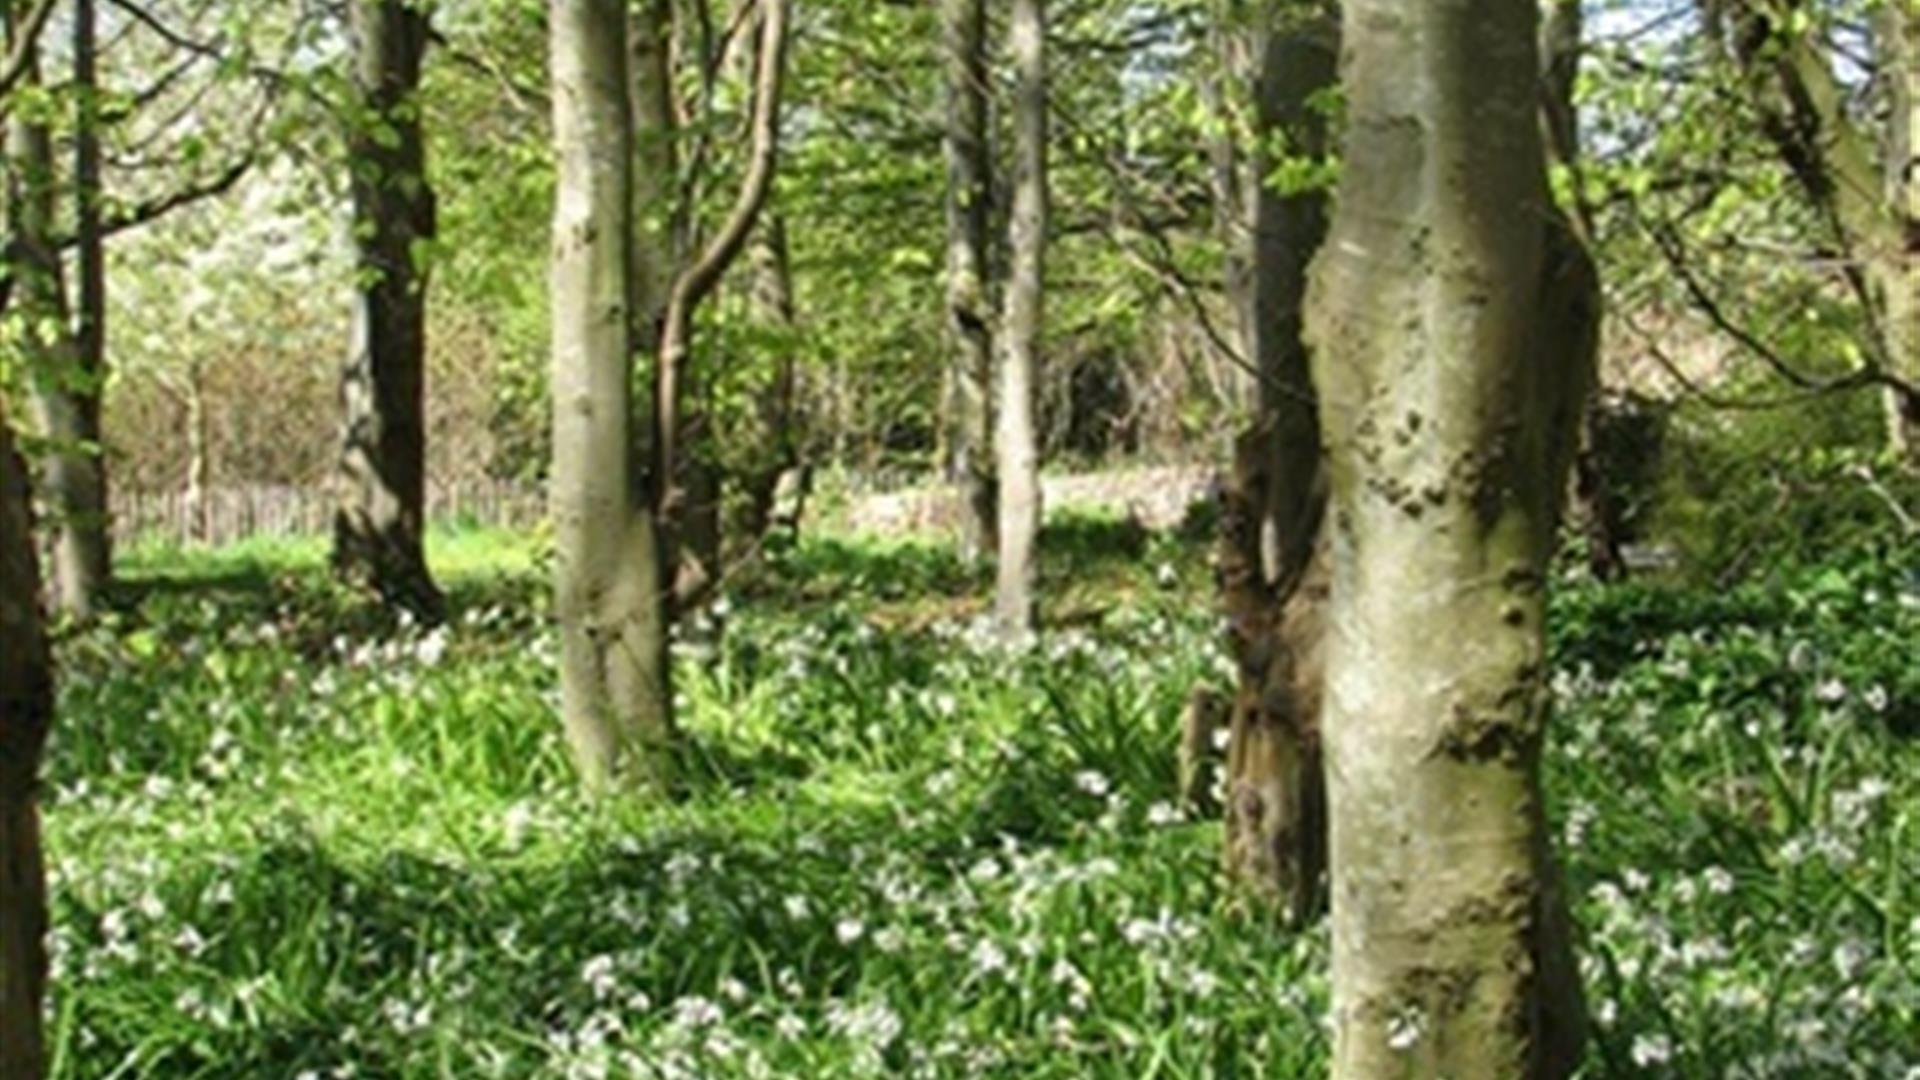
x=26 y=37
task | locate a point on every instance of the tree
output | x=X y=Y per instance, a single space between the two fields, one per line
x=687 y=483
x=1865 y=184
x=1273 y=583
x=969 y=420
x=380 y=517
x=1016 y=441
x=66 y=391
x=1452 y=318
x=617 y=519
x=609 y=567
x=26 y=709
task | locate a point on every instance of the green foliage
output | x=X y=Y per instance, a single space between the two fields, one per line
x=1787 y=486
x=288 y=836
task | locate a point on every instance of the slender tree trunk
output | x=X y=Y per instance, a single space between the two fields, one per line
x=199 y=454
x=1017 y=444
x=1597 y=506
x=609 y=570
x=1235 y=37
x=659 y=227
x=1452 y=323
x=1273 y=585
x=1899 y=271
x=969 y=426
x=66 y=393
x=93 y=542
x=1874 y=208
x=687 y=485
x=380 y=518
x=26 y=709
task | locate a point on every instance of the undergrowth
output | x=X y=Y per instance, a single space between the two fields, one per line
x=293 y=839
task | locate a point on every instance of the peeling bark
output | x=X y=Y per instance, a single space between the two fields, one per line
x=1452 y=318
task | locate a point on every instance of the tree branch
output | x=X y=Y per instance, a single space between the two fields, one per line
x=26 y=37
x=698 y=280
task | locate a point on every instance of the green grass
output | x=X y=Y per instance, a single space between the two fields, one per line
x=290 y=837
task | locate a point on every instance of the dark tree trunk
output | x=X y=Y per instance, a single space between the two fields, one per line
x=66 y=392
x=1272 y=584
x=380 y=520
x=26 y=709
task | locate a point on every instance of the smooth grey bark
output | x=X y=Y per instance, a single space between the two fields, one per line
x=609 y=571
x=969 y=197
x=1273 y=587
x=1451 y=321
x=379 y=522
x=66 y=393
x=26 y=710
x=1016 y=442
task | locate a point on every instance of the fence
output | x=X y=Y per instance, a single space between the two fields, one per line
x=225 y=515
x=1158 y=497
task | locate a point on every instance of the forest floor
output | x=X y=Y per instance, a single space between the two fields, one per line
x=290 y=840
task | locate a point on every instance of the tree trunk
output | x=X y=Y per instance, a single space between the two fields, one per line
x=1017 y=445
x=1452 y=323
x=380 y=519
x=609 y=571
x=199 y=454
x=686 y=495
x=1234 y=180
x=1874 y=208
x=1899 y=270
x=1272 y=584
x=969 y=427
x=26 y=709
x=66 y=393
x=94 y=542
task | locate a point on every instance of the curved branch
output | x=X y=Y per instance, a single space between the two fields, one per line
x=697 y=282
